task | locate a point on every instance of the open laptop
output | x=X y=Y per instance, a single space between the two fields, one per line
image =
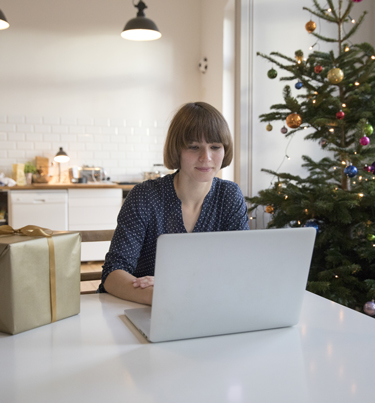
x=216 y=283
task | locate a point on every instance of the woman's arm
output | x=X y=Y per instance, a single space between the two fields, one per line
x=123 y=285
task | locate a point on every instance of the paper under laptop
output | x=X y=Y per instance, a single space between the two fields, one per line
x=216 y=283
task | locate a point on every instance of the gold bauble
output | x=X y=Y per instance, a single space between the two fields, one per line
x=294 y=120
x=269 y=209
x=269 y=127
x=335 y=76
x=310 y=26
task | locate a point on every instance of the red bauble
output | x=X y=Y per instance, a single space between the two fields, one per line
x=340 y=115
x=318 y=69
x=364 y=141
x=366 y=168
x=356 y=1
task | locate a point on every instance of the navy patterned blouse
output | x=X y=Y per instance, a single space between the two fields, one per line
x=152 y=208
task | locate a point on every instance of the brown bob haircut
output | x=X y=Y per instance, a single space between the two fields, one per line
x=196 y=121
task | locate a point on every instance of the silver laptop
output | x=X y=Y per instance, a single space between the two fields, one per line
x=216 y=283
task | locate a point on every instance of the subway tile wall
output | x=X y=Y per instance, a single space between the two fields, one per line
x=125 y=148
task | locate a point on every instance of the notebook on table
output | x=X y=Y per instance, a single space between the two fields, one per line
x=216 y=283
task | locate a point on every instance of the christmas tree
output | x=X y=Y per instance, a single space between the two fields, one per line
x=337 y=197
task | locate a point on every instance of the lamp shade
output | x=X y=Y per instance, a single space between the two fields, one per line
x=61 y=156
x=141 y=28
x=4 y=24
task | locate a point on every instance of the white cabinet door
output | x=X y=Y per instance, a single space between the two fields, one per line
x=45 y=208
x=94 y=209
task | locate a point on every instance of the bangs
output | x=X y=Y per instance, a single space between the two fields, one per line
x=201 y=125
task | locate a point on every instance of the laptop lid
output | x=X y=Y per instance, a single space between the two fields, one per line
x=217 y=283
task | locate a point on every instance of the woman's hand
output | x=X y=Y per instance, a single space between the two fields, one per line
x=143 y=282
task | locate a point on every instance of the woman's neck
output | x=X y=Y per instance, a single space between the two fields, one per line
x=191 y=193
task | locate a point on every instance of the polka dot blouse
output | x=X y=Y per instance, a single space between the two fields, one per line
x=152 y=208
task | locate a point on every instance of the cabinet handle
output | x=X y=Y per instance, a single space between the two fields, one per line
x=39 y=200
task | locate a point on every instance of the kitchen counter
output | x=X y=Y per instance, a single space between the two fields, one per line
x=92 y=185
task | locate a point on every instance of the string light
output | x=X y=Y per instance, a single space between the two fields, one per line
x=355 y=152
x=352 y=20
x=356 y=83
x=360 y=194
x=287 y=156
x=343 y=162
x=347 y=48
x=336 y=276
x=329 y=10
x=354 y=183
x=334 y=168
x=373 y=57
x=299 y=222
x=343 y=105
x=286 y=197
x=306 y=211
x=360 y=178
x=332 y=130
x=314 y=101
x=305 y=127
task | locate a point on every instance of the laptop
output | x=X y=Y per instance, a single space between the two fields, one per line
x=216 y=283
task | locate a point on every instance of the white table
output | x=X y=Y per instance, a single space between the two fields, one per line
x=98 y=356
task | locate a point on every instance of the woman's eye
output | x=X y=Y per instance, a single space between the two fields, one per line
x=193 y=147
x=216 y=147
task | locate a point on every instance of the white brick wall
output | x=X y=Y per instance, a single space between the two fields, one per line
x=123 y=147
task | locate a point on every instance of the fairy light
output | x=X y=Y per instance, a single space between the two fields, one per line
x=360 y=194
x=314 y=101
x=354 y=182
x=373 y=245
x=306 y=211
x=343 y=162
x=334 y=168
x=331 y=130
x=336 y=276
x=329 y=10
x=251 y=218
x=356 y=83
x=373 y=57
x=352 y=20
x=287 y=156
x=343 y=105
x=286 y=197
x=355 y=152
x=305 y=127
x=299 y=61
x=360 y=178
x=347 y=48
x=299 y=222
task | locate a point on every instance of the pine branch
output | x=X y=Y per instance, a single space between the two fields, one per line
x=355 y=28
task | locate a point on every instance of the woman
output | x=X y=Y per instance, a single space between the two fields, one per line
x=192 y=199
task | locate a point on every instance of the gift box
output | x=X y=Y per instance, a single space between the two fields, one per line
x=39 y=277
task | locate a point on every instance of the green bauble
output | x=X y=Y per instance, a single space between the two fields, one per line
x=371 y=237
x=272 y=73
x=368 y=129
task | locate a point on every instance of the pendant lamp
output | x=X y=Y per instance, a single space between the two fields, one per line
x=140 y=28
x=4 y=24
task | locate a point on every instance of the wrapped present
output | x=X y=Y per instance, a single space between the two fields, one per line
x=39 y=277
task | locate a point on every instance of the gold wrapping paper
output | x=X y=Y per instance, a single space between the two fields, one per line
x=25 y=286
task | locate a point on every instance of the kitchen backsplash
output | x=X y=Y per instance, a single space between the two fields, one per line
x=123 y=147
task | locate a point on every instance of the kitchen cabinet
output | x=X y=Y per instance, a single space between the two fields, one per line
x=73 y=209
x=93 y=209
x=44 y=208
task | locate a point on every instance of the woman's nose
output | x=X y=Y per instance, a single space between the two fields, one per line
x=205 y=154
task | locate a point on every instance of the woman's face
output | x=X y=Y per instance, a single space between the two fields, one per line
x=201 y=161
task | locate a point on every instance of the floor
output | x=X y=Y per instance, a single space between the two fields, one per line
x=90 y=266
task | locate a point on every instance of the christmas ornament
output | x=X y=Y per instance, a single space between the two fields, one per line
x=310 y=26
x=372 y=168
x=294 y=120
x=364 y=141
x=367 y=168
x=351 y=171
x=272 y=73
x=269 y=209
x=371 y=237
x=322 y=142
x=340 y=115
x=298 y=54
x=335 y=76
x=368 y=129
x=312 y=224
x=369 y=308
x=356 y=1
x=318 y=69
x=284 y=130
x=299 y=85
x=269 y=127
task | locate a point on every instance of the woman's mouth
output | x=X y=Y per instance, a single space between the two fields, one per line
x=204 y=169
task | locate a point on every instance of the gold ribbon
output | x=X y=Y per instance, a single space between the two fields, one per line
x=33 y=230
